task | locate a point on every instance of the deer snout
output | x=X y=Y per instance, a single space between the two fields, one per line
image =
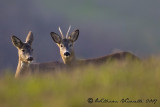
x=30 y=59
x=67 y=54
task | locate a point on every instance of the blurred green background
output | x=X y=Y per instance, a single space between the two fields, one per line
x=105 y=26
x=116 y=81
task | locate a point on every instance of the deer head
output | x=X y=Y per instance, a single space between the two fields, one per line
x=66 y=44
x=25 y=50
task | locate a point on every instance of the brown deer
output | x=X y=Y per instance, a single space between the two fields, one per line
x=66 y=46
x=25 y=53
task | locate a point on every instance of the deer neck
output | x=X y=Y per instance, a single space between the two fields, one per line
x=22 y=66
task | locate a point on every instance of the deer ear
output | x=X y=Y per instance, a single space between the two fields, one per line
x=29 y=38
x=56 y=38
x=74 y=35
x=16 y=42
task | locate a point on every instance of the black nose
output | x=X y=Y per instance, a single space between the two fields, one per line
x=30 y=59
x=66 y=54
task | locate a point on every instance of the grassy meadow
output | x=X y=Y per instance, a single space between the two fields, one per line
x=114 y=84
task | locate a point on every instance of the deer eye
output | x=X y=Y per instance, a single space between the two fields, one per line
x=23 y=50
x=70 y=45
x=61 y=45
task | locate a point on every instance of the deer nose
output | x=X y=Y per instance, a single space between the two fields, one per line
x=30 y=59
x=66 y=54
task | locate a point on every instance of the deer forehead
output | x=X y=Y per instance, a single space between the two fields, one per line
x=26 y=46
x=65 y=42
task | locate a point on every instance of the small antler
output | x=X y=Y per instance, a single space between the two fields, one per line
x=68 y=31
x=61 y=32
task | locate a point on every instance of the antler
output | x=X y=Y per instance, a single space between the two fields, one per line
x=61 y=32
x=68 y=31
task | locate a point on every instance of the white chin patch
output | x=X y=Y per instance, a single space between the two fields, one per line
x=66 y=56
x=30 y=62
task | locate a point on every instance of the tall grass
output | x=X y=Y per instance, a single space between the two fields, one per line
x=111 y=81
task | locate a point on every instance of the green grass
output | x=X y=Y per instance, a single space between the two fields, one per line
x=112 y=81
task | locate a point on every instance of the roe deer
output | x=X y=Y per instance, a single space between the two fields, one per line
x=25 y=54
x=66 y=44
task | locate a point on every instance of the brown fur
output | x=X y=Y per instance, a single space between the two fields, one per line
x=115 y=56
